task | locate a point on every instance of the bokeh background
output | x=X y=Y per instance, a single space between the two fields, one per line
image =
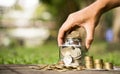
x=29 y=28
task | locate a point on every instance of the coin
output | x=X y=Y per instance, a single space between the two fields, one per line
x=72 y=41
x=61 y=62
x=89 y=67
x=75 y=64
x=98 y=66
x=59 y=66
x=42 y=66
x=67 y=60
x=76 y=53
x=65 y=51
x=90 y=58
x=79 y=68
x=89 y=62
x=98 y=61
x=73 y=34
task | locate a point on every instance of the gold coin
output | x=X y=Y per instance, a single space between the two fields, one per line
x=88 y=58
x=48 y=67
x=61 y=63
x=73 y=34
x=98 y=66
x=98 y=61
x=79 y=68
x=89 y=62
x=59 y=66
x=89 y=67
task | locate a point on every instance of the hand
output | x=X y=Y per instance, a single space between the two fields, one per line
x=87 y=18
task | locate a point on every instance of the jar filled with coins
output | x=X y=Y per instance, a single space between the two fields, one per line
x=72 y=52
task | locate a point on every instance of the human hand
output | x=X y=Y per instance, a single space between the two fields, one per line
x=87 y=18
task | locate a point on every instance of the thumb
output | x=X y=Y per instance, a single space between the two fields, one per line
x=89 y=36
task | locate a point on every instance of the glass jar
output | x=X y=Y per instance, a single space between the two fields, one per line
x=72 y=52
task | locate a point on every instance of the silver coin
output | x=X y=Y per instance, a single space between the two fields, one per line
x=67 y=60
x=76 y=53
x=75 y=64
x=66 y=51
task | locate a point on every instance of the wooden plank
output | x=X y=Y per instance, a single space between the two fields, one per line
x=23 y=69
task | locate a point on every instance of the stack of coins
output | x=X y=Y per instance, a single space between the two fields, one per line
x=89 y=62
x=98 y=64
x=108 y=66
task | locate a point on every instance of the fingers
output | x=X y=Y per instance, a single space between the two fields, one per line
x=89 y=36
x=60 y=37
x=61 y=34
x=67 y=26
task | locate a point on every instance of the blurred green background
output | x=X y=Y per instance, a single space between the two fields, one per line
x=28 y=31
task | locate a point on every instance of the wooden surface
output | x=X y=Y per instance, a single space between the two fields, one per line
x=24 y=69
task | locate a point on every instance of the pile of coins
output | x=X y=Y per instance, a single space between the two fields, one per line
x=90 y=64
x=97 y=64
x=56 y=67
